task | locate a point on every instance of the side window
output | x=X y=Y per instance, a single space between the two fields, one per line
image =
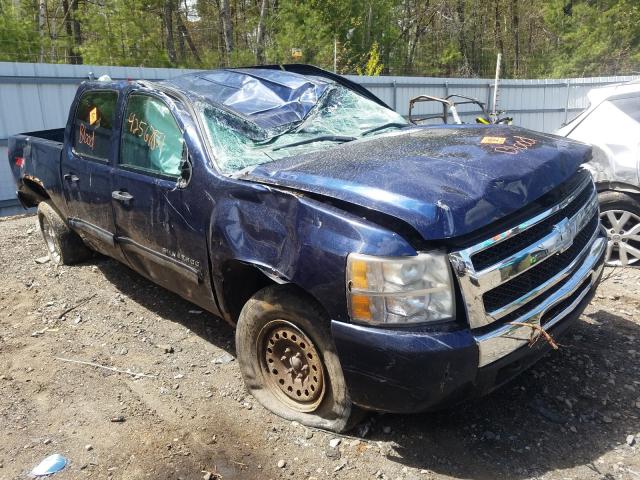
x=630 y=106
x=93 y=124
x=151 y=138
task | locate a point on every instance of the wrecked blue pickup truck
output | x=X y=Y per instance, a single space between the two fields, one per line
x=367 y=263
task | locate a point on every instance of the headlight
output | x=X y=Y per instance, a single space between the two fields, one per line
x=400 y=289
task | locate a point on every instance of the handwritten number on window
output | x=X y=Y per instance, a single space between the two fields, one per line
x=153 y=137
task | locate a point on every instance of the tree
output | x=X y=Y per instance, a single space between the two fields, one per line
x=260 y=34
x=227 y=28
x=17 y=28
x=373 y=67
x=168 y=29
x=402 y=37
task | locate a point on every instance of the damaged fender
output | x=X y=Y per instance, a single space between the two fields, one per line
x=294 y=239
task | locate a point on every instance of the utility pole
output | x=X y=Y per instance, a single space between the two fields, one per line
x=335 y=54
x=494 y=111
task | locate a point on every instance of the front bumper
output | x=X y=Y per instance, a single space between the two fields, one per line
x=404 y=371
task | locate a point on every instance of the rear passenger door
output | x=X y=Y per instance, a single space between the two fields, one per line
x=86 y=169
x=155 y=226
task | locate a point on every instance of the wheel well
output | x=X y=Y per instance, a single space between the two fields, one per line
x=240 y=282
x=602 y=187
x=31 y=193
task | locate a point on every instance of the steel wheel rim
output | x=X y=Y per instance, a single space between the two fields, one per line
x=292 y=369
x=623 y=232
x=49 y=238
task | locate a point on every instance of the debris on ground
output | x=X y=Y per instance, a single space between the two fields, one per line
x=166 y=348
x=112 y=369
x=76 y=305
x=223 y=359
x=50 y=465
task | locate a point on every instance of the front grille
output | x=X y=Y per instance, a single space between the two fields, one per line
x=512 y=275
x=536 y=270
x=527 y=307
x=505 y=249
x=522 y=284
x=558 y=308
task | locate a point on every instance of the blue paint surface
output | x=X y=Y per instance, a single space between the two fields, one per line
x=443 y=181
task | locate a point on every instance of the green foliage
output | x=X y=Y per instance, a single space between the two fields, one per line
x=538 y=38
x=19 y=41
x=598 y=38
x=299 y=25
x=373 y=67
x=115 y=36
x=449 y=59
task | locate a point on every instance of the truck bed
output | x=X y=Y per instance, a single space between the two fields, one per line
x=39 y=153
x=53 y=135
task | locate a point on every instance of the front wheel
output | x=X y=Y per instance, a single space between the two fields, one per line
x=620 y=216
x=288 y=360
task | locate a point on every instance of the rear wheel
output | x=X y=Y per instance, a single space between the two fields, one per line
x=620 y=216
x=64 y=245
x=288 y=360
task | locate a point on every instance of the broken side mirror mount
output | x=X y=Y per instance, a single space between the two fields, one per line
x=186 y=168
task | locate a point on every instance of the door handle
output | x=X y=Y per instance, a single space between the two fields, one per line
x=124 y=197
x=70 y=177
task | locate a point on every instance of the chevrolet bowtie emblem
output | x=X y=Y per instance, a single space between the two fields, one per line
x=566 y=231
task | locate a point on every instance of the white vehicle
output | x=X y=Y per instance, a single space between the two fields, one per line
x=611 y=124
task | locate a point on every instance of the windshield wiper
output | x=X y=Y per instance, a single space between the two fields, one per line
x=385 y=126
x=323 y=138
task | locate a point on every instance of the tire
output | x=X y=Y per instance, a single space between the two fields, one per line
x=64 y=245
x=279 y=316
x=620 y=216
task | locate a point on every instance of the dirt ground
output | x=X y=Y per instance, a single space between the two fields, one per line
x=575 y=415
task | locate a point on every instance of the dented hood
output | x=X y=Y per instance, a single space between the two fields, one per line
x=443 y=181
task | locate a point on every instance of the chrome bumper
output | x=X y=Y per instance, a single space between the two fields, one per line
x=528 y=284
x=508 y=338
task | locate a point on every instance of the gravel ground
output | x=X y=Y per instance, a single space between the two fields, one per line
x=575 y=415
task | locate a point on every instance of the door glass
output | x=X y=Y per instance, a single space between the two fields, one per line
x=93 y=124
x=151 y=138
x=630 y=106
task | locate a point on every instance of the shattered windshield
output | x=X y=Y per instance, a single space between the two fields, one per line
x=341 y=115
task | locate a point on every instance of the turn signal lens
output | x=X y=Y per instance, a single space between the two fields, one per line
x=359 y=275
x=19 y=162
x=360 y=307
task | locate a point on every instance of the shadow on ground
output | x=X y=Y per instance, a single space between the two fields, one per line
x=572 y=407
x=166 y=304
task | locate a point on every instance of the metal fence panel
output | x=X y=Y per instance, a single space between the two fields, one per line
x=37 y=96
